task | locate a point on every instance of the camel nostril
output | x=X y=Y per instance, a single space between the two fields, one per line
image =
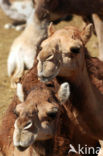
x=40 y=74
x=75 y=50
x=20 y=148
x=40 y=67
x=28 y=125
x=50 y=57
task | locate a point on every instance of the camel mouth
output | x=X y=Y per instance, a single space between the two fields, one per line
x=20 y=148
x=46 y=79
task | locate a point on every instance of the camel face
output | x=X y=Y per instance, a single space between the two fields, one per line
x=62 y=53
x=50 y=60
x=37 y=116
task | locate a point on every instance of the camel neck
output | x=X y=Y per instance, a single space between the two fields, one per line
x=31 y=18
x=87 y=101
x=40 y=148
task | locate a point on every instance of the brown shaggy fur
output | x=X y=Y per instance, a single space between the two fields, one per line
x=72 y=6
x=95 y=71
x=89 y=113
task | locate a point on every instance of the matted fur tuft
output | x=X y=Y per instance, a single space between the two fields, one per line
x=20 y=92
x=64 y=92
x=95 y=70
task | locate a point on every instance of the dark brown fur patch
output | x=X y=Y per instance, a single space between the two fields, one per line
x=95 y=71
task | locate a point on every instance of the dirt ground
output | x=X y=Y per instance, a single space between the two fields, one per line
x=6 y=39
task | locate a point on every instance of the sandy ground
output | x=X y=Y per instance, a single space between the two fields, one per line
x=6 y=39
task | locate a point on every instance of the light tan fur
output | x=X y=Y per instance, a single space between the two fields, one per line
x=55 y=55
x=23 y=51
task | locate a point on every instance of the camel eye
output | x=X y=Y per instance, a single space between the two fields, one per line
x=53 y=114
x=75 y=50
x=50 y=57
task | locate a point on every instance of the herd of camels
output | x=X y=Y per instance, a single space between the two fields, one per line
x=58 y=104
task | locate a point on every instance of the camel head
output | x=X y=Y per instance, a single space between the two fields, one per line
x=37 y=116
x=62 y=52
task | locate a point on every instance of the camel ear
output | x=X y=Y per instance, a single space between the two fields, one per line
x=64 y=92
x=20 y=92
x=51 y=29
x=86 y=33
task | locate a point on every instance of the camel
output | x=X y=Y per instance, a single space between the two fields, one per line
x=54 y=9
x=45 y=132
x=6 y=144
x=23 y=51
x=54 y=50
x=64 y=54
x=17 y=10
x=29 y=82
x=45 y=11
x=37 y=118
x=70 y=133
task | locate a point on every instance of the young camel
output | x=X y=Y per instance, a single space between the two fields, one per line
x=64 y=54
x=23 y=51
x=35 y=124
x=69 y=133
x=74 y=133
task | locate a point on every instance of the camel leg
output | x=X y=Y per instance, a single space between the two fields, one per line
x=18 y=73
x=16 y=27
x=20 y=27
x=98 y=22
x=15 y=80
x=40 y=32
